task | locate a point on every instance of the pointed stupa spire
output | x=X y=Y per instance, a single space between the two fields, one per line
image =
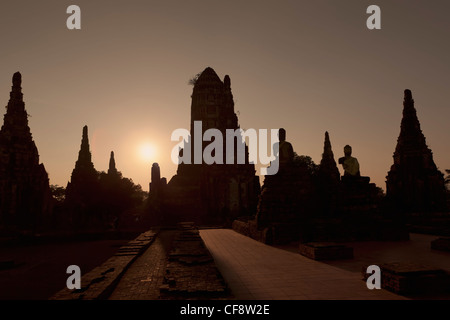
x=84 y=161
x=85 y=154
x=411 y=135
x=16 y=118
x=15 y=123
x=329 y=179
x=328 y=164
x=327 y=152
x=16 y=92
x=24 y=188
x=112 y=164
x=414 y=182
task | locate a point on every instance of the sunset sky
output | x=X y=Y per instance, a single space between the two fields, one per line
x=307 y=66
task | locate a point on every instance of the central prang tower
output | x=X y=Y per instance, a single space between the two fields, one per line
x=212 y=102
x=216 y=193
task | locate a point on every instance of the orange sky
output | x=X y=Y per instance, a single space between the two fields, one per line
x=307 y=66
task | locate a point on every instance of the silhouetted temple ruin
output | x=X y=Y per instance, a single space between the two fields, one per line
x=25 y=199
x=309 y=204
x=215 y=193
x=287 y=199
x=157 y=182
x=414 y=184
x=328 y=177
x=112 y=170
x=82 y=190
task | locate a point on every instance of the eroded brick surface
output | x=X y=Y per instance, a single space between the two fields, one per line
x=191 y=271
x=99 y=283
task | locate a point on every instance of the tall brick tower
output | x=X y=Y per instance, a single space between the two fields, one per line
x=212 y=102
x=25 y=199
x=83 y=189
x=212 y=193
x=329 y=178
x=112 y=171
x=414 y=183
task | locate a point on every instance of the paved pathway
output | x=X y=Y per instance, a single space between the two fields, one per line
x=255 y=271
x=145 y=276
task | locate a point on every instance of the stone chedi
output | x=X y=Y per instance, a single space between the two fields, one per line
x=25 y=199
x=112 y=171
x=84 y=171
x=157 y=182
x=215 y=193
x=414 y=184
x=309 y=203
x=157 y=189
x=83 y=188
x=328 y=180
x=286 y=200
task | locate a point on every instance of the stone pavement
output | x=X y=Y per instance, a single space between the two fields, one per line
x=191 y=272
x=255 y=271
x=145 y=276
x=99 y=282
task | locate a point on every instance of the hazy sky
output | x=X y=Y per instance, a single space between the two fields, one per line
x=307 y=66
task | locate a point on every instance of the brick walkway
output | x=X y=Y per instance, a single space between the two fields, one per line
x=145 y=276
x=255 y=271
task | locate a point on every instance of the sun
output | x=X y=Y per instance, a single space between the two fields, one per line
x=147 y=151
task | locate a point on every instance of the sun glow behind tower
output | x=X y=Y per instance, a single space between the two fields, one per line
x=147 y=151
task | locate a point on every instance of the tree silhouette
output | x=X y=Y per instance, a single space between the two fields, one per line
x=58 y=193
x=118 y=195
x=192 y=81
x=307 y=162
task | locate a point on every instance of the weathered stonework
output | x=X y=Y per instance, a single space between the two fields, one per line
x=191 y=272
x=286 y=203
x=217 y=193
x=414 y=184
x=305 y=204
x=101 y=281
x=156 y=196
x=328 y=181
x=83 y=189
x=157 y=183
x=25 y=199
x=112 y=170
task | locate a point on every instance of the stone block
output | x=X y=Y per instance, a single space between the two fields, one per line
x=442 y=244
x=412 y=278
x=325 y=251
